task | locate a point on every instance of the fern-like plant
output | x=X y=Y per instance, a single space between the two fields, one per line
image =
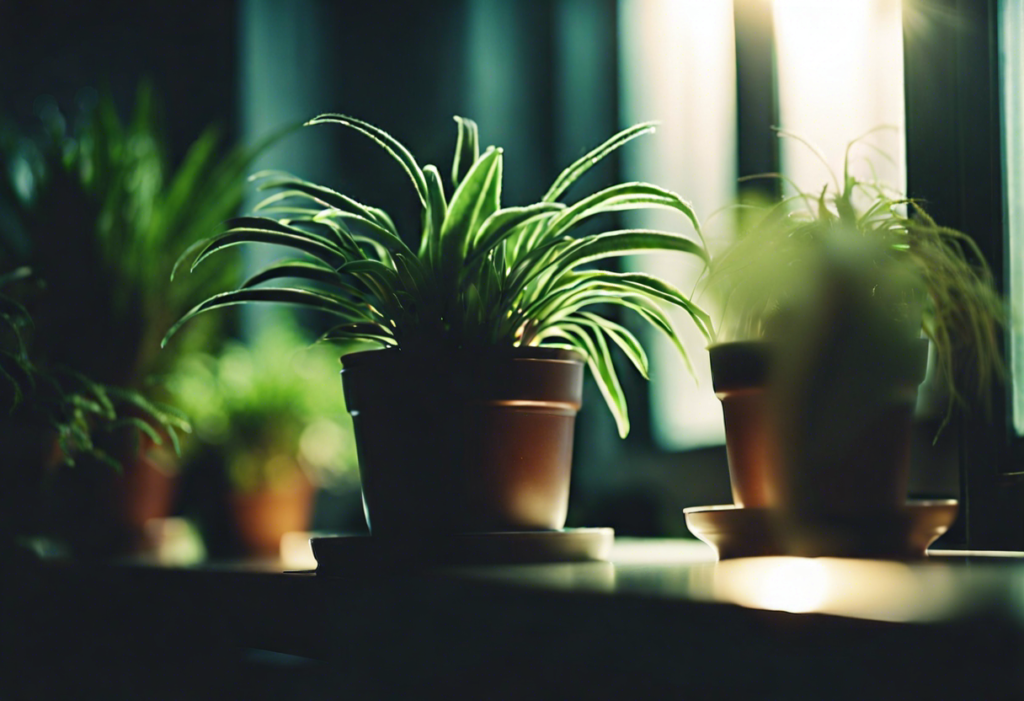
x=93 y=205
x=65 y=402
x=482 y=278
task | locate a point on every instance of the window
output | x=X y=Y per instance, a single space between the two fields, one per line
x=678 y=65
x=1011 y=55
x=838 y=74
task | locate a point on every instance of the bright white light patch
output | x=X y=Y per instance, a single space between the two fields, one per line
x=679 y=67
x=840 y=74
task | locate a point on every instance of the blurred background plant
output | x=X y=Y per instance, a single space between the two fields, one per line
x=94 y=207
x=268 y=398
x=56 y=417
x=929 y=279
x=267 y=414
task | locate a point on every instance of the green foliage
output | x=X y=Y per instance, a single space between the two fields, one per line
x=66 y=402
x=94 y=207
x=269 y=407
x=484 y=278
x=933 y=279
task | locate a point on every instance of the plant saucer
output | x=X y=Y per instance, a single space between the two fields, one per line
x=744 y=532
x=346 y=554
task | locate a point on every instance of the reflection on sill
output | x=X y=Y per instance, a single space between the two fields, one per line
x=629 y=551
x=1006 y=554
x=875 y=590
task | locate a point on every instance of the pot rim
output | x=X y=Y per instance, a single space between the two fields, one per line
x=517 y=354
x=746 y=366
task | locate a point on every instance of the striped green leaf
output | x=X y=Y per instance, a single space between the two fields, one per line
x=308 y=243
x=467 y=149
x=582 y=165
x=390 y=144
x=322 y=301
x=476 y=199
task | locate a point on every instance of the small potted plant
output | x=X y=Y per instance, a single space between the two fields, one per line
x=54 y=417
x=831 y=301
x=464 y=415
x=93 y=206
x=268 y=418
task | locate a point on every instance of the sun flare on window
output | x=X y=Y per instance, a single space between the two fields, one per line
x=840 y=74
x=679 y=67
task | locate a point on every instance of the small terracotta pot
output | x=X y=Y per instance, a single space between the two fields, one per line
x=874 y=477
x=463 y=444
x=145 y=491
x=739 y=373
x=264 y=515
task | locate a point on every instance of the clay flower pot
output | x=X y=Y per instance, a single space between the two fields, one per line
x=262 y=516
x=870 y=473
x=464 y=444
x=739 y=373
x=843 y=426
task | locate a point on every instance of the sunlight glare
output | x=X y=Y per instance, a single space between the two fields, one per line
x=679 y=67
x=840 y=74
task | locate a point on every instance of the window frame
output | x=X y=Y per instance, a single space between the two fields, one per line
x=955 y=165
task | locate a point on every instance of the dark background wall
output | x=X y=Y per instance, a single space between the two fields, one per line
x=188 y=48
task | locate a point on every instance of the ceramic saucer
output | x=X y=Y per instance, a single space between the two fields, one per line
x=741 y=532
x=343 y=554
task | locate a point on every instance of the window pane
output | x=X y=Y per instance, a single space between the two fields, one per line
x=679 y=67
x=1011 y=49
x=840 y=74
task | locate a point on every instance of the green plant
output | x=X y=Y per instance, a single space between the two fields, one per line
x=66 y=402
x=930 y=278
x=483 y=278
x=94 y=207
x=266 y=406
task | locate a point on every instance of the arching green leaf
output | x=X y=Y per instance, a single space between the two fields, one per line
x=467 y=149
x=276 y=295
x=390 y=144
x=582 y=165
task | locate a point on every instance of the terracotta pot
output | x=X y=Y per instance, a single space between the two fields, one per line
x=871 y=475
x=144 y=491
x=844 y=437
x=264 y=515
x=739 y=374
x=460 y=444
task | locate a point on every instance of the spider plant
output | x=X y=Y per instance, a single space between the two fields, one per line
x=933 y=279
x=482 y=278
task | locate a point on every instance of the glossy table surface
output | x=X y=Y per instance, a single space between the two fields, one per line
x=660 y=620
x=948 y=585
